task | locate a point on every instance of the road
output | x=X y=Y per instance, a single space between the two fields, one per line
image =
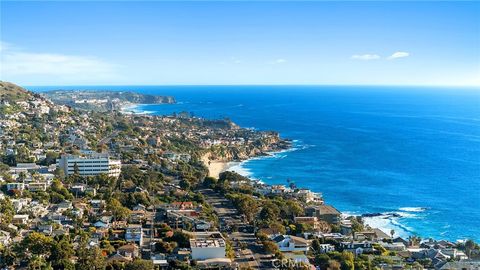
x=248 y=253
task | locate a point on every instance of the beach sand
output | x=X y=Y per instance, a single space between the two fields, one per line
x=217 y=167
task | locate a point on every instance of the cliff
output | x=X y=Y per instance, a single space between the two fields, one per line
x=269 y=142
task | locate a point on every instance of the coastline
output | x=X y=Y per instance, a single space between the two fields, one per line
x=134 y=108
x=383 y=221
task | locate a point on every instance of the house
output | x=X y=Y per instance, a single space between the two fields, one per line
x=63 y=206
x=357 y=248
x=203 y=249
x=118 y=258
x=289 y=243
x=372 y=235
x=324 y=212
x=4 y=238
x=20 y=219
x=346 y=227
x=395 y=246
x=45 y=228
x=461 y=265
x=129 y=251
x=324 y=248
x=15 y=186
x=37 y=186
x=137 y=216
x=97 y=205
x=182 y=205
x=78 y=189
x=134 y=234
x=139 y=207
x=159 y=261
x=401 y=240
x=101 y=224
x=310 y=221
x=308 y=196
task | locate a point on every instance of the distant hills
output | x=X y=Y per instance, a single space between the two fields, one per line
x=103 y=100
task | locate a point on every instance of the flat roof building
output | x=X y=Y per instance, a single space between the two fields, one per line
x=90 y=165
x=203 y=249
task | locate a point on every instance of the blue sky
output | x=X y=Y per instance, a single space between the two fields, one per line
x=315 y=42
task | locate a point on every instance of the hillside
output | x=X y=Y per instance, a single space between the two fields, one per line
x=11 y=92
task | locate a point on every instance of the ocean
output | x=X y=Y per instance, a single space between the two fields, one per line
x=411 y=154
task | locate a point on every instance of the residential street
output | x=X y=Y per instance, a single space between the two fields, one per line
x=248 y=253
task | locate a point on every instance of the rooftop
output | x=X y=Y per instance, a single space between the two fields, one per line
x=207 y=243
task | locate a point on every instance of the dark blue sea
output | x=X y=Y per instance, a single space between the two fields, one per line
x=410 y=151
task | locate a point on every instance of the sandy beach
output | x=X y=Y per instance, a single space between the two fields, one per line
x=217 y=167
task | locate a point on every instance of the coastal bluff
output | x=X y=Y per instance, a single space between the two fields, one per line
x=102 y=100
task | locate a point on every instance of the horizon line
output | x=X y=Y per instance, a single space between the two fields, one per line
x=273 y=84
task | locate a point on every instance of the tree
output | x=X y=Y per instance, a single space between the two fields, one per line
x=37 y=244
x=62 y=252
x=270 y=212
x=245 y=204
x=270 y=247
x=316 y=246
x=139 y=265
x=392 y=232
x=333 y=265
x=39 y=263
x=322 y=260
x=118 y=211
x=183 y=239
x=294 y=209
x=210 y=182
x=6 y=211
x=7 y=256
x=90 y=259
x=50 y=158
x=165 y=247
x=469 y=247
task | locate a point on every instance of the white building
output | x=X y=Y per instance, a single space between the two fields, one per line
x=37 y=186
x=290 y=243
x=90 y=165
x=20 y=219
x=203 y=249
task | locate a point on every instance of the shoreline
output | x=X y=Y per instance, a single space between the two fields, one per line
x=382 y=221
x=132 y=108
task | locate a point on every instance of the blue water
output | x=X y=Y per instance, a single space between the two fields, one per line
x=411 y=151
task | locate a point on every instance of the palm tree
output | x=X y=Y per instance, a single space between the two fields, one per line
x=392 y=232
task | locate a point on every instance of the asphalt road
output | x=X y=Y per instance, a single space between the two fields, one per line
x=248 y=253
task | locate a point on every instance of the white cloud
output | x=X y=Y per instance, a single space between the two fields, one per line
x=396 y=55
x=280 y=61
x=366 y=57
x=16 y=63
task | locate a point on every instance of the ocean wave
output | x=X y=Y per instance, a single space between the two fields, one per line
x=413 y=209
x=386 y=223
x=240 y=169
x=394 y=220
